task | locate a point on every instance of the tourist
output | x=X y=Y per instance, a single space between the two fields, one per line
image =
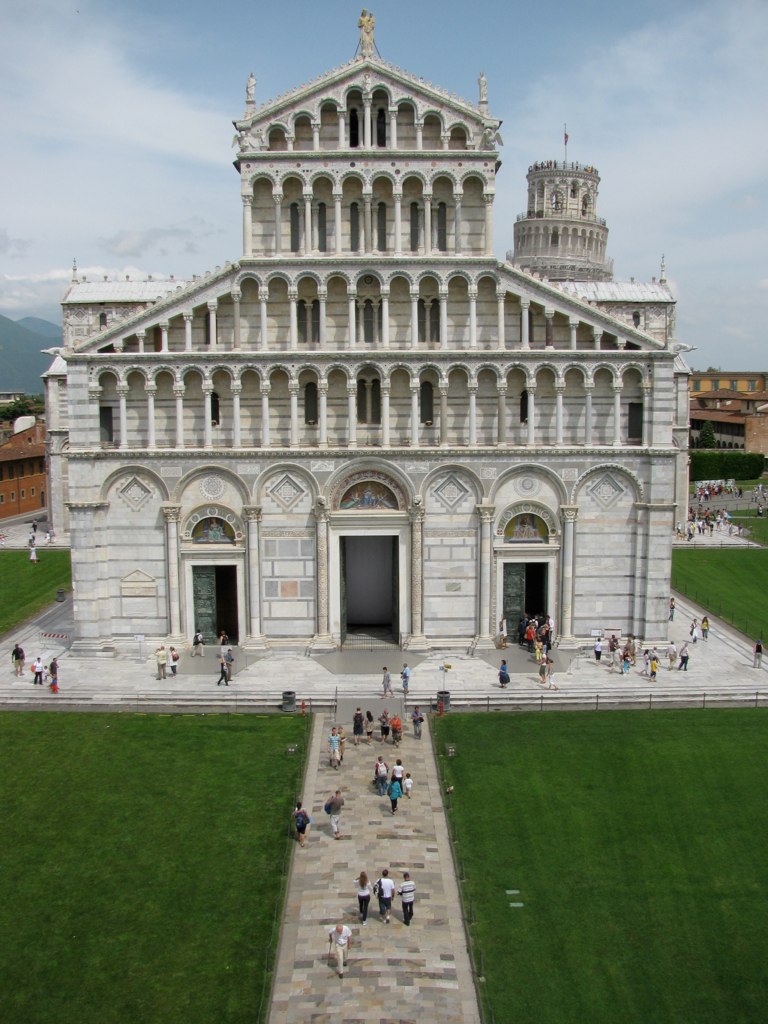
x=340 y=941
x=173 y=660
x=38 y=669
x=18 y=658
x=705 y=628
x=672 y=600
x=503 y=633
x=397 y=729
x=683 y=658
x=405 y=677
x=380 y=775
x=672 y=655
x=161 y=660
x=394 y=792
x=384 y=725
x=598 y=650
x=757 y=660
x=368 y=727
x=386 y=683
x=385 y=890
x=503 y=674
x=198 y=644
x=342 y=741
x=334 y=804
x=417 y=720
x=407 y=892
x=357 y=726
x=229 y=661
x=222 y=671
x=302 y=821
x=363 y=896
x=334 y=749
x=408 y=784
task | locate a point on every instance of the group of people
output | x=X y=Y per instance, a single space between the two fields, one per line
x=43 y=675
x=384 y=889
x=405 y=680
x=166 y=659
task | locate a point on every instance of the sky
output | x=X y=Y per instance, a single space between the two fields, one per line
x=116 y=127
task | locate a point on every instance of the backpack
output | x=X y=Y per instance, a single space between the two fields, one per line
x=381 y=769
x=327 y=807
x=377 y=888
x=301 y=819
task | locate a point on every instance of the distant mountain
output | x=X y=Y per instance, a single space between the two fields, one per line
x=42 y=327
x=22 y=360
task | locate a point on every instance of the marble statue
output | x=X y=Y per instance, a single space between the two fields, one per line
x=366 y=25
x=483 y=83
x=250 y=88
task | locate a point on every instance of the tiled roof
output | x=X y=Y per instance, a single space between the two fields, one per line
x=120 y=291
x=617 y=291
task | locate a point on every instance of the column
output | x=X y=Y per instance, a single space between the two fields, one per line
x=568 y=514
x=367 y=122
x=188 y=331
x=307 y=224
x=485 y=629
x=559 y=389
x=398 y=197
x=531 y=416
x=445 y=138
x=322 y=397
x=207 y=425
x=502 y=342
x=236 y=339
x=368 y=385
x=122 y=394
x=549 y=330
x=322 y=298
x=360 y=321
x=367 y=224
x=352 y=415
x=414 y=318
x=263 y=332
x=178 y=391
x=472 y=293
x=322 y=638
x=141 y=335
x=457 y=223
x=265 y=438
x=342 y=138
x=164 y=335
x=393 y=127
x=588 y=388
x=212 y=328
x=488 y=200
x=293 y=393
x=501 y=417
x=237 y=440
x=443 y=318
x=278 y=200
x=525 y=323
x=427 y=223
x=315 y=135
x=385 y=318
x=416 y=514
x=337 y=221
x=415 y=389
x=472 y=388
x=443 y=392
x=252 y=514
x=248 y=225
x=294 y=327
x=172 y=514
x=419 y=135
x=573 y=326
x=352 y=306
x=617 y=415
x=647 y=416
x=385 y=414
x=150 y=390
x=289 y=141
x=315 y=229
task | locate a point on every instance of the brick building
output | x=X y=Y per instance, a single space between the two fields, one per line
x=23 y=486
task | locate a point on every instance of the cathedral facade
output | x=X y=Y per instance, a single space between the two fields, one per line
x=366 y=422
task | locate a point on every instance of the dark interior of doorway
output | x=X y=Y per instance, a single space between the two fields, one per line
x=215 y=598
x=369 y=589
x=525 y=590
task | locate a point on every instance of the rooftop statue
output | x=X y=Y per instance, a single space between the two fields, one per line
x=483 y=83
x=250 y=88
x=366 y=24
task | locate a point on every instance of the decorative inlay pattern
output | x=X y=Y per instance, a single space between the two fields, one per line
x=211 y=487
x=287 y=491
x=527 y=486
x=450 y=492
x=135 y=493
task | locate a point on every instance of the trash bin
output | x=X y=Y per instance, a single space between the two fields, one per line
x=60 y=595
x=289 y=700
x=444 y=698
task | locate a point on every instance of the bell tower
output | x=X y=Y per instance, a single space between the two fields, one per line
x=560 y=236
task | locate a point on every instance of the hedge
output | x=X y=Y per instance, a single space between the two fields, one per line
x=725 y=465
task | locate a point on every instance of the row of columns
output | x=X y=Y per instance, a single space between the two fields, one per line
x=428 y=237
x=343 y=136
x=350 y=438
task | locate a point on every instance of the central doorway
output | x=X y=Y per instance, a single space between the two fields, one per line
x=214 y=593
x=369 y=588
x=525 y=590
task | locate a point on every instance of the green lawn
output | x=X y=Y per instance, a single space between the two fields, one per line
x=141 y=867
x=25 y=588
x=638 y=843
x=727 y=582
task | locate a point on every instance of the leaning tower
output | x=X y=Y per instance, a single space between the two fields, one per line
x=560 y=235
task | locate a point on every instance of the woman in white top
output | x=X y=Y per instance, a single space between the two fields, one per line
x=363 y=896
x=398 y=772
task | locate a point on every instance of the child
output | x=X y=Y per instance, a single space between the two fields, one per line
x=408 y=784
x=654 y=666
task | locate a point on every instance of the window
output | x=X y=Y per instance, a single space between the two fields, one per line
x=636 y=318
x=753 y=385
x=574 y=190
x=41 y=466
x=369 y=401
x=414 y=227
x=368 y=314
x=1 y=472
x=557 y=201
x=381 y=127
x=295 y=227
x=585 y=206
x=23 y=493
x=322 y=227
x=555 y=238
x=308 y=321
x=310 y=403
x=31 y=492
x=106 y=425
x=697 y=385
x=2 y=499
x=524 y=406
x=426 y=403
x=354 y=128
x=102 y=319
x=381 y=227
x=10 y=472
x=442 y=227
x=215 y=410
x=354 y=227
x=635 y=422
x=734 y=385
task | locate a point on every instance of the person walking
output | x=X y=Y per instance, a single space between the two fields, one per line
x=363 y=896
x=222 y=671
x=334 y=749
x=198 y=644
x=339 y=944
x=335 y=803
x=672 y=609
x=368 y=728
x=173 y=659
x=53 y=672
x=683 y=659
x=672 y=655
x=503 y=674
x=705 y=628
x=394 y=792
x=407 y=893
x=358 y=722
x=405 y=677
x=598 y=650
x=654 y=666
x=693 y=631
x=38 y=669
x=408 y=784
x=229 y=661
x=384 y=725
x=757 y=659
x=386 y=683
x=418 y=720
x=342 y=741
x=302 y=822
x=380 y=775
x=397 y=729
x=385 y=890
x=161 y=660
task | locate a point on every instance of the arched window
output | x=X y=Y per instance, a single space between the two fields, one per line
x=434 y=322
x=354 y=227
x=574 y=190
x=426 y=403
x=215 y=409
x=585 y=206
x=354 y=128
x=301 y=320
x=524 y=406
x=555 y=237
x=368 y=401
x=368 y=314
x=557 y=201
x=381 y=127
x=636 y=318
x=310 y=403
x=442 y=227
x=322 y=221
x=102 y=319
x=429 y=320
x=414 y=227
x=381 y=227
x=295 y=227
x=308 y=321
x=315 y=317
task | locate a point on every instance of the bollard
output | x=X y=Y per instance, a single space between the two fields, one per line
x=303 y=709
x=440 y=709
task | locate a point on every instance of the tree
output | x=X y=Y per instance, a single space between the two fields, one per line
x=707 y=437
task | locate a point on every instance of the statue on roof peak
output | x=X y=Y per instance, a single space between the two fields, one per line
x=366 y=24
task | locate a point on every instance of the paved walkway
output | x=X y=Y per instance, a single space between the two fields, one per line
x=395 y=973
